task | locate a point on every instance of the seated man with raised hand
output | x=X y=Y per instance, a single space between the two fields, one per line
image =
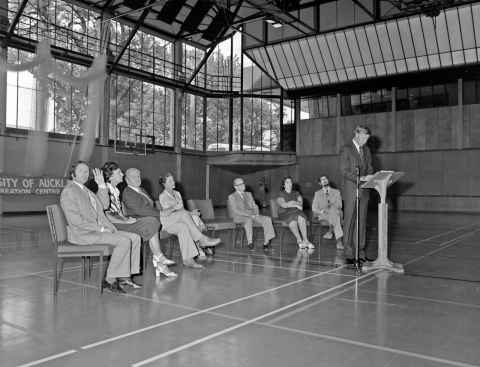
x=245 y=211
x=327 y=206
x=88 y=225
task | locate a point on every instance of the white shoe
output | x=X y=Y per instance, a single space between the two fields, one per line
x=310 y=245
x=302 y=245
x=162 y=260
x=163 y=269
x=328 y=235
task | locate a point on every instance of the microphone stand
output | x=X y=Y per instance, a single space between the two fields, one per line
x=356 y=262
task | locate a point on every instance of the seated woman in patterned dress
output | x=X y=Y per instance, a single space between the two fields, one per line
x=290 y=210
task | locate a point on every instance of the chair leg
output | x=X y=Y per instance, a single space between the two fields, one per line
x=100 y=274
x=83 y=268
x=145 y=256
x=55 y=277
x=89 y=264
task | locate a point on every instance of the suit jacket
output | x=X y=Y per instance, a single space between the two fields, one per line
x=321 y=201
x=84 y=221
x=138 y=205
x=240 y=208
x=349 y=162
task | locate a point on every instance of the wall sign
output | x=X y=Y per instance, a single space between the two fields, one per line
x=20 y=185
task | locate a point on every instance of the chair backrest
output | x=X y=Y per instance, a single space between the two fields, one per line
x=205 y=207
x=273 y=208
x=57 y=223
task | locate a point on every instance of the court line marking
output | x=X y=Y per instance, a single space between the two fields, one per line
x=369 y=346
x=445 y=233
x=248 y=322
x=443 y=246
x=138 y=331
x=267 y=266
x=46 y=359
x=426 y=299
x=306 y=307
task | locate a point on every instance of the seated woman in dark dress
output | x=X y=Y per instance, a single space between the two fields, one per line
x=290 y=209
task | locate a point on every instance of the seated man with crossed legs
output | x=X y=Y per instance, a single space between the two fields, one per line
x=245 y=211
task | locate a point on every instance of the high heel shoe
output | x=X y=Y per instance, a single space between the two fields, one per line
x=162 y=260
x=163 y=269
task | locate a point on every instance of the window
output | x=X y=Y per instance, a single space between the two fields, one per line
x=217 y=124
x=367 y=102
x=471 y=91
x=67 y=106
x=192 y=122
x=318 y=107
x=261 y=126
x=427 y=96
x=140 y=111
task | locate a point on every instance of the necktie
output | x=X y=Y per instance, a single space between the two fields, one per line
x=142 y=191
x=362 y=154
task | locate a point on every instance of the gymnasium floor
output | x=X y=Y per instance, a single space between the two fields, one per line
x=284 y=308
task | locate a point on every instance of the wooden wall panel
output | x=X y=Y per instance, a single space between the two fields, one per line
x=151 y=166
x=472 y=123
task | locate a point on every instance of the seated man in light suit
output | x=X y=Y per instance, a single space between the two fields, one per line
x=245 y=211
x=327 y=206
x=87 y=225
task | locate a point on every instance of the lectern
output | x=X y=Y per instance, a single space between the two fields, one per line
x=380 y=182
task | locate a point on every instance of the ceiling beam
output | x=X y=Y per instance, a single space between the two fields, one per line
x=131 y=35
x=366 y=10
x=212 y=47
x=15 y=20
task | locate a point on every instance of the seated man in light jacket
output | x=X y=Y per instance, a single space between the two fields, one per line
x=88 y=225
x=327 y=206
x=245 y=211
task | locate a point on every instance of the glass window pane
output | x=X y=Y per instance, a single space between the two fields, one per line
x=374 y=45
x=417 y=35
x=317 y=56
x=344 y=49
x=456 y=42
x=385 y=44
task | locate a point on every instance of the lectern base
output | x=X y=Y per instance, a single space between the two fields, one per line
x=386 y=265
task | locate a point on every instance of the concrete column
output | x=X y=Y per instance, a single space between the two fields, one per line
x=394 y=117
x=177 y=110
x=207 y=182
x=3 y=90
x=297 y=110
x=104 y=120
x=338 y=122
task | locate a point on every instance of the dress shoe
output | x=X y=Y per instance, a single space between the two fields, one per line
x=209 y=242
x=129 y=283
x=310 y=245
x=192 y=264
x=113 y=287
x=251 y=246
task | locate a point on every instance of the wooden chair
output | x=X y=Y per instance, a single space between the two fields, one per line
x=64 y=249
x=212 y=223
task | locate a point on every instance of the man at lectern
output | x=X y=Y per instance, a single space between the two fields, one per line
x=355 y=162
